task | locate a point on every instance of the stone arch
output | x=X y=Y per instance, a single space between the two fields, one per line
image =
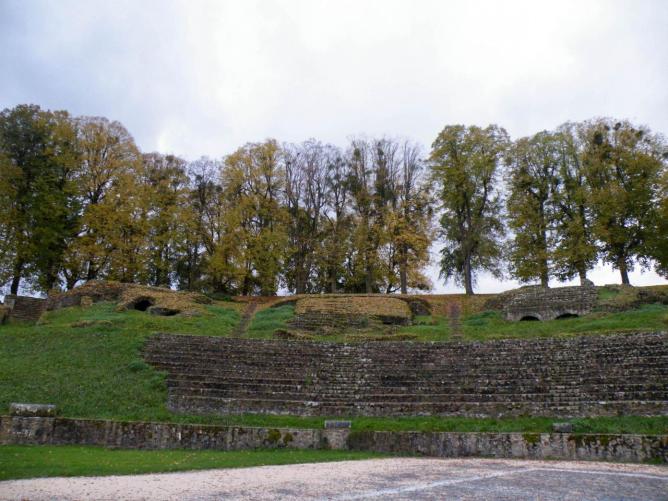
x=530 y=318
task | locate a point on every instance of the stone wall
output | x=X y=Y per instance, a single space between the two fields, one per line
x=147 y=435
x=543 y=303
x=333 y=312
x=568 y=446
x=140 y=435
x=24 y=308
x=578 y=376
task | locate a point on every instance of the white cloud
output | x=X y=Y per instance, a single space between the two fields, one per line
x=203 y=77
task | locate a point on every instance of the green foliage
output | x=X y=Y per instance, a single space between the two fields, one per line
x=465 y=162
x=249 y=257
x=22 y=461
x=575 y=250
x=533 y=164
x=38 y=214
x=658 y=239
x=623 y=164
x=79 y=201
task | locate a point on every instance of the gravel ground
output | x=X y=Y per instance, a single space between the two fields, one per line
x=395 y=478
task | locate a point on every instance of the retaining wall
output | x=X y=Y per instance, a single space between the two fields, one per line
x=63 y=431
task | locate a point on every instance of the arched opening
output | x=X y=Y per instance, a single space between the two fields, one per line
x=142 y=303
x=529 y=318
x=566 y=315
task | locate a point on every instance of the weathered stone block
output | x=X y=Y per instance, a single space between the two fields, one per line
x=329 y=424
x=562 y=427
x=34 y=410
x=25 y=308
x=543 y=303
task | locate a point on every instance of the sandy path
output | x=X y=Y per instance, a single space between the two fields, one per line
x=395 y=478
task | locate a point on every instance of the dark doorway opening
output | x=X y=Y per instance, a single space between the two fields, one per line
x=529 y=318
x=143 y=304
x=567 y=315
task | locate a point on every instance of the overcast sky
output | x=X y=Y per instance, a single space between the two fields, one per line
x=202 y=78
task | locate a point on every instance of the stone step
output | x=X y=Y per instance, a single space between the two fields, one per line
x=472 y=409
x=375 y=395
x=590 y=375
x=647 y=363
x=274 y=386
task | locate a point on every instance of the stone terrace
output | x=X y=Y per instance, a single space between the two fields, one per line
x=340 y=312
x=579 y=376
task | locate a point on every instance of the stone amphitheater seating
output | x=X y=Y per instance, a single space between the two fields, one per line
x=593 y=375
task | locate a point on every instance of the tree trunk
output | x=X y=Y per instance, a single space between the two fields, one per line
x=300 y=282
x=583 y=275
x=70 y=282
x=332 y=278
x=16 y=280
x=468 y=276
x=403 y=274
x=92 y=271
x=624 y=272
x=544 y=280
x=544 y=270
x=369 y=280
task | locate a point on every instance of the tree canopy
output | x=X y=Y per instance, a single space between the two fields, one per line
x=80 y=201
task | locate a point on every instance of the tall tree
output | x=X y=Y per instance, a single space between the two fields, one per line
x=362 y=266
x=532 y=176
x=107 y=152
x=623 y=163
x=204 y=227
x=249 y=257
x=658 y=241
x=337 y=223
x=305 y=196
x=169 y=215
x=408 y=223
x=39 y=162
x=575 y=251
x=465 y=163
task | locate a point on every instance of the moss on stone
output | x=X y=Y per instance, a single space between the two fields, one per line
x=531 y=438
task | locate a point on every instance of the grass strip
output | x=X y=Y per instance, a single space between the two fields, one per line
x=27 y=461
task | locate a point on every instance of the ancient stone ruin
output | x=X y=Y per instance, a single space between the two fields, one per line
x=543 y=303
x=591 y=375
x=152 y=300
x=23 y=308
x=322 y=313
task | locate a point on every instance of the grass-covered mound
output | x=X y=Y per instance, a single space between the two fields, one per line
x=88 y=361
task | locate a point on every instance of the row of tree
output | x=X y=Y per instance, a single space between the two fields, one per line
x=79 y=201
x=586 y=191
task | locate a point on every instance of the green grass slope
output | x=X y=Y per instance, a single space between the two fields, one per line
x=88 y=362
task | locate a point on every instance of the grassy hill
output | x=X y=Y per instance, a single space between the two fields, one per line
x=88 y=362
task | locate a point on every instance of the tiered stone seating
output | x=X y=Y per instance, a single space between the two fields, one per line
x=580 y=376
